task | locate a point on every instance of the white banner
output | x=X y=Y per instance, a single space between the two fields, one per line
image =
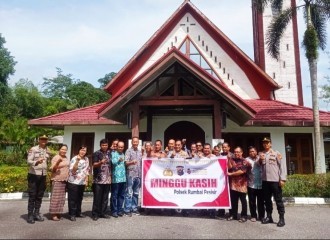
x=185 y=183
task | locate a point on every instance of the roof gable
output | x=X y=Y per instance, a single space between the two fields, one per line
x=230 y=63
x=130 y=89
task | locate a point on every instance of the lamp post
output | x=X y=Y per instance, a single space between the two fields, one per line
x=288 y=149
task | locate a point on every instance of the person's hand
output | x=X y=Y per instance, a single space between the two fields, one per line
x=39 y=161
x=166 y=150
x=121 y=159
x=282 y=183
x=262 y=156
x=59 y=160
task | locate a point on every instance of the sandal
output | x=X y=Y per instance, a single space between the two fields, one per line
x=230 y=218
x=242 y=220
x=55 y=218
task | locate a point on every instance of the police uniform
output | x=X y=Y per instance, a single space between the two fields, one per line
x=36 y=180
x=273 y=171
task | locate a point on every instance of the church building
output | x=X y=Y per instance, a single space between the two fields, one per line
x=189 y=80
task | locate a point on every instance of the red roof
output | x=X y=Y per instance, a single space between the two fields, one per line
x=80 y=116
x=276 y=113
x=268 y=113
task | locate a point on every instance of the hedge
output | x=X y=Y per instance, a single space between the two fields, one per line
x=309 y=185
x=14 y=179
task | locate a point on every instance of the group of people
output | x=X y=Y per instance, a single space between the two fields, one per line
x=112 y=169
x=261 y=175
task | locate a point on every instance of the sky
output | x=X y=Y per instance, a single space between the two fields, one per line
x=90 y=38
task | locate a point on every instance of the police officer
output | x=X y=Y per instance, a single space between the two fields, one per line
x=37 y=161
x=273 y=179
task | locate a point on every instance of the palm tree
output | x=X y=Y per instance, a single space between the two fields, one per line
x=316 y=14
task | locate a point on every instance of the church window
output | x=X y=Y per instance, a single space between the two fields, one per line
x=219 y=64
x=215 y=59
x=211 y=54
x=199 y=37
x=228 y=76
x=187 y=29
x=287 y=47
x=289 y=85
x=283 y=64
x=189 y=48
x=224 y=70
x=232 y=82
x=176 y=39
x=207 y=48
x=203 y=43
x=187 y=19
x=274 y=75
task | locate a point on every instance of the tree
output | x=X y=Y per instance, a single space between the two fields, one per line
x=56 y=87
x=85 y=94
x=106 y=79
x=29 y=101
x=316 y=14
x=7 y=62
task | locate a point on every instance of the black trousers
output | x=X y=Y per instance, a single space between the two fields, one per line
x=273 y=189
x=75 y=197
x=36 y=190
x=235 y=196
x=100 y=199
x=256 y=199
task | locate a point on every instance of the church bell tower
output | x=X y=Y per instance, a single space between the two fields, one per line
x=286 y=70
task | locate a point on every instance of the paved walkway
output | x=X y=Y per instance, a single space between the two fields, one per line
x=302 y=222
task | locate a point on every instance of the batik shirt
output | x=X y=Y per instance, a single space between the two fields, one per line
x=239 y=183
x=133 y=170
x=102 y=174
x=118 y=167
x=80 y=177
x=255 y=180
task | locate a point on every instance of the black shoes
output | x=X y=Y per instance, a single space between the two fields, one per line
x=38 y=217
x=128 y=214
x=81 y=215
x=281 y=222
x=30 y=218
x=115 y=215
x=72 y=218
x=105 y=216
x=120 y=214
x=267 y=220
x=95 y=218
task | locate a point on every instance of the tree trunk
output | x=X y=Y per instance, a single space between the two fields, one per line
x=316 y=116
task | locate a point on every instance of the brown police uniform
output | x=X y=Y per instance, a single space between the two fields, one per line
x=36 y=180
x=273 y=171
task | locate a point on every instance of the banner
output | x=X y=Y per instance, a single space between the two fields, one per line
x=185 y=183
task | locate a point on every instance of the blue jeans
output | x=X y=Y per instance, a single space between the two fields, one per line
x=132 y=193
x=117 y=197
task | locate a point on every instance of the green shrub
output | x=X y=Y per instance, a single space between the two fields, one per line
x=309 y=185
x=14 y=179
x=12 y=158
